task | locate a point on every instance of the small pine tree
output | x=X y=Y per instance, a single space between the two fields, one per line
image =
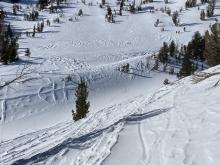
x=9 y=32
x=82 y=105
x=210 y=9
x=166 y=82
x=103 y=2
x=175 y=18
x=27 y=52
x=202 y=15
x=156 y=64
x=34 y=31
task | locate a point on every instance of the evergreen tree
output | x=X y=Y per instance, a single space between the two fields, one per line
x=34 y=31
x=43 y=3
x=13 y=47
x=121 y=7
x=82 y=105
x=163 y=53
x=8 y=42
x=198 y=45
x=103 y=2
x=210 y=8
x=202 y=15
x=172 y=48
x=186 y=68
x=9 y=32
x=156 y=64
x=212 y=45
x=189 y=49
x=175 y=18
x=27 y=52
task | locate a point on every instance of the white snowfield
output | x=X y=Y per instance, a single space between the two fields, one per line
x=133 y=119
x=177 y=124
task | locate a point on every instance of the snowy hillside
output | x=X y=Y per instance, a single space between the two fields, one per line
x=133 y=118
x=177 y=124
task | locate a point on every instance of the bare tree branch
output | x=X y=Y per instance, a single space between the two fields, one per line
x=21 y=73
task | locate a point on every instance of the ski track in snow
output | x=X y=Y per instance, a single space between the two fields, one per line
x=143 y=144
x=19 y=149
x=93 y=137
x=4 y=106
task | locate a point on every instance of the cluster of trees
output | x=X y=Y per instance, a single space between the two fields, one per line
x=195 y=48
x=15 y=8
x=32 y=16
x=44 y=3
x=40 y=27
x=205 y=48
x=209 y=10
x=168 y=52
x=175 y=18
x=109 y=16
x=129 y=6
x=190 y=3
x=212 y=45
x=200 y=50
x=8 y=42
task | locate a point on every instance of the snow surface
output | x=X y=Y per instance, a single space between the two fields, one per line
x=131 y=120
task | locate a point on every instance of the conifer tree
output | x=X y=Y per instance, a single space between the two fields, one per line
x=212 y=45
x=103 y=2
x=34 y=31
x=172 y=48
x=9 y=32
x=202 y=15
x=186 y=68
x=82 y=105
x=210 y=8
x=27 y=52
x=175 y=18
x=42 y=3
x=156 y=64
x=198 y=45
x=163 y=53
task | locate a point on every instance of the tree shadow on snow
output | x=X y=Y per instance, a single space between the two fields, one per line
x=50 y=31
x=190 y=24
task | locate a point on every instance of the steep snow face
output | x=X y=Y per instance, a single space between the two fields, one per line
x=177 y=124
x=187 y=134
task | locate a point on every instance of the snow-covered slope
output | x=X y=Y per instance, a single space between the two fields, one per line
x=177 y=124
x=188 y=133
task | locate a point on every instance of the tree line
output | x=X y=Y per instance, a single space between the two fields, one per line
x=202 y=49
